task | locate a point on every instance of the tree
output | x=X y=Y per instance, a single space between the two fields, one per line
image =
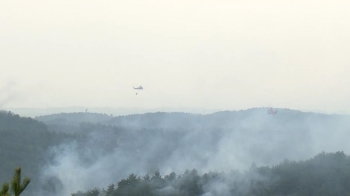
x=4 y=190
x=94 y=192
x=16 y=186
x=110 y=190
x=157 y=180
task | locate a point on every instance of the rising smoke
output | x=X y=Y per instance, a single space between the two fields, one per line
x=223 y=141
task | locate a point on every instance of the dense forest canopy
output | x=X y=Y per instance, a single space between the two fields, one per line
x=69 y=152
x=323 y=175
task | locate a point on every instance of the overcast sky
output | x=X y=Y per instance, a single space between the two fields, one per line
x=223 y=54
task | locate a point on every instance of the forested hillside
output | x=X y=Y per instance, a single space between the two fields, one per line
x=61 y=155
x=168 y=142
x=24 y=142
x=323 y=175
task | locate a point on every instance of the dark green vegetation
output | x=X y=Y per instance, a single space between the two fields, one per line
x=28 y=143
x=323 y=175
x=57 y=150
x=17 y=186
x=24 y=142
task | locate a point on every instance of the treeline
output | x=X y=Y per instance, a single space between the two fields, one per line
x=70 y=122
x=323 y=175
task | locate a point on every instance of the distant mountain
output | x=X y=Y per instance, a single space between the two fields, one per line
x=70 y=122
x=77 y=117
x=33 y=112
x=255 y=118
x=222 y=119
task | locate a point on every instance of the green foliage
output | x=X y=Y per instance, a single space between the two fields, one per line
x=17 y=187
x=4 y=190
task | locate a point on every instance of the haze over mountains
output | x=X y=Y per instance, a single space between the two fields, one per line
x=80 y=151
x=79 y=127
x=34 y=112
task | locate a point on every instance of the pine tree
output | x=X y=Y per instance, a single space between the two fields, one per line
x=16 y=186
x=111 y=190
x=4 y=190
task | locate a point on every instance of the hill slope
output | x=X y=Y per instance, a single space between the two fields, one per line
x=177 y=141
x=24 y=143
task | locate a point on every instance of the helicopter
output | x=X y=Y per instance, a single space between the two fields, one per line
x=138 y=88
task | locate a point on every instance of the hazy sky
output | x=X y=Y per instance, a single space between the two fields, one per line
x=223 y=54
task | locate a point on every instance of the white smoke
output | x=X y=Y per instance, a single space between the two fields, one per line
x=255 y=138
